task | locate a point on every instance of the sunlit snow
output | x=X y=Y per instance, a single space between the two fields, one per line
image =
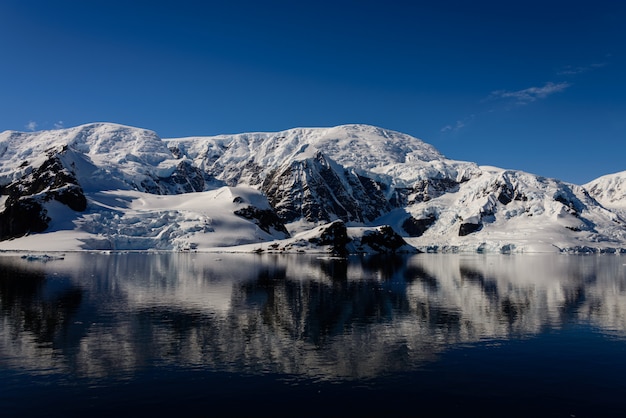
x=119 y=169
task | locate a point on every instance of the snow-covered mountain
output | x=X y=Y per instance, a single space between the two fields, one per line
x=508 y=211
x=610 y=191
x=353 y=172
x=350 y=188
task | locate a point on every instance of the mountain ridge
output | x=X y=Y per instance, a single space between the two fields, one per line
x=294 y=181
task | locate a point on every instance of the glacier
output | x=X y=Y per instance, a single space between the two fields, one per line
x=340 y=190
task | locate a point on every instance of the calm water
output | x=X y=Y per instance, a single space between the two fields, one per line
x=250 y=335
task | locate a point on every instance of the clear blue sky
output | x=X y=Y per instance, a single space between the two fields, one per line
x=533 y=85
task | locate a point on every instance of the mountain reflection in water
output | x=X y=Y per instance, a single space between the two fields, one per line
x=99 y=316
x=331 y=318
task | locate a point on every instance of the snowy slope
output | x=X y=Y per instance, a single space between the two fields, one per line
x=610 y=191
x=107 y=186
x=133 y=220
x=385 y=155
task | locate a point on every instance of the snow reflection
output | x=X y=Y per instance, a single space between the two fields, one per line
x=97 y=315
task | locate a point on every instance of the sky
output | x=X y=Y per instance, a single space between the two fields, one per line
x=538 y=86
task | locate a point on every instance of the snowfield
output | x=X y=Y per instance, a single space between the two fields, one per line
x=131 y=220
x=345 y=189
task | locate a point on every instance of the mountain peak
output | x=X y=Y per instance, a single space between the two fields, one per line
x=366 y=149
x=609 y=190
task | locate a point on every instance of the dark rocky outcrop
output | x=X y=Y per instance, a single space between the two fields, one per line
x=185 y=179
x=505 y=193
x=266 y=219
x=469 y=227
x=24 y=211
x=423 y=191
x=567 y=198
x=427 y=189
x=52 y=181
x=383 y=240
x=336 y=236
x=417 y=227
x=318 y=190
x=21 y=217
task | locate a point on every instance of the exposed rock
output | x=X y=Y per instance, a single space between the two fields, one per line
x=505 y=189
x=417 y=227
x=176 y=152
x=266 y=219
x=232 y=175
x=185 y=179
x=336 y=236
x=427 y=189
x=506 y=194
x=569 y=199
x=318 y=190
x=53 y=181
x=22 y=217
x=423 y=191
x=383 y=240
x=469 y=227
x=24 y=212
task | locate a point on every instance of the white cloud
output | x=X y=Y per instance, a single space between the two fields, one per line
x=31 y=125
x=531 y=94
x=58 y=125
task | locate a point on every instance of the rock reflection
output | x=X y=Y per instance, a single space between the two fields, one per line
x=101 y=315
x=35 y=317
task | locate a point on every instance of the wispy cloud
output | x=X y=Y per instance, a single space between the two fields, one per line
x=507 y=100
x=573 y=70
x=458 y=125
x=58 y=125
x=449 y=128
x=529 y=95
x=31 y=125
x=510 y=99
